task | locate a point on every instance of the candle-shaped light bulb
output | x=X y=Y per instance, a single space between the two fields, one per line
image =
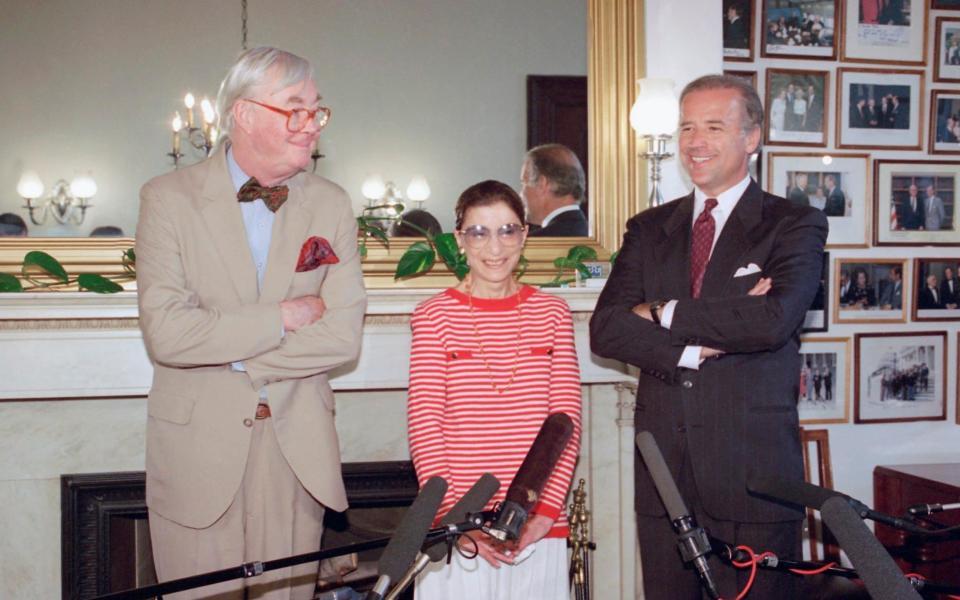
x=83 y=187
x=419 y=189
x=177 y=125
x=209 y=115
x=189 y=101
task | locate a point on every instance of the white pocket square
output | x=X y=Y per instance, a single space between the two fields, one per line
x=747 y=270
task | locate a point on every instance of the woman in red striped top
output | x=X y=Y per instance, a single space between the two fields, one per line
x=491 y=359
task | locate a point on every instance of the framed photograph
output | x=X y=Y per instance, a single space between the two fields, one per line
x=900 y=377
x=824 y=395
x=885 y=31
x=817 y=317
x=914 y=202
x=946 y=55
x=944 y=122
x=799 y=29
x=879 y=108
x=748 y=76
x=869 y=291
x=837 y=184
x=738 y=30
x=945 y=4
x=937 y=286
x=797 y=107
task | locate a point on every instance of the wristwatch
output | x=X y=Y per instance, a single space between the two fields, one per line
x=655 y=307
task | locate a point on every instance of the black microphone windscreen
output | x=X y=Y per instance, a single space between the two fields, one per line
x=793 y=491
x=881 y=576
x=471 y=502
x=537 y=466
x=407 y=539
x=662 y=479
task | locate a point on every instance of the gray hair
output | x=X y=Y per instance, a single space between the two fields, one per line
x=752 y=106
x=560 y=166
x=252 y=68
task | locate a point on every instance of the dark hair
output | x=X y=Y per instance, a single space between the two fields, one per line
x=106 y=231
x=12 y=225
x=560 y=166
x=899 y=270
x=418 y=217
x=752 y=106
x=487 y=193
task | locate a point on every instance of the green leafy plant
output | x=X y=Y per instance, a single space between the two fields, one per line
x=572 y=262
x=40 y=271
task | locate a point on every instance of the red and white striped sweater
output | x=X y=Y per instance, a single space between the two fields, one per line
x=460 y=427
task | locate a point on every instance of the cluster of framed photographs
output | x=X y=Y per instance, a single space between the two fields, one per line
x=887 y=31
x=896 y=377
x=878 y=108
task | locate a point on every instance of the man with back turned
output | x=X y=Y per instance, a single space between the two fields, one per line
x=707 y=298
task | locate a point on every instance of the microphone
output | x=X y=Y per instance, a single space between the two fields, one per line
x=922 y=510
x=806 y=494
x=881 y=576
x=692 y=540
x=406 y=540
x=524 y=491
x=471 y=502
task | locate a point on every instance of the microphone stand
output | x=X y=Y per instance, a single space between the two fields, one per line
x=246 y=570
x=255 y=568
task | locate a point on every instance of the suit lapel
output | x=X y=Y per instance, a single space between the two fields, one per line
x=222 y=216
x=734 y=241
x=288 y=234
x=674 y=257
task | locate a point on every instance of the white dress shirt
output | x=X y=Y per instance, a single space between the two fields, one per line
x=726 y=202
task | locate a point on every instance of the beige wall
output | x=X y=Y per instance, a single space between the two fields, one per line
x=419 y=86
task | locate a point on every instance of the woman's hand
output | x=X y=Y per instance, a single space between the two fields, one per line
x=488 y=548
x=533 y=531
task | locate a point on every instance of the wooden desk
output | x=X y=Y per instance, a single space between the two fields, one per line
x=897 y=487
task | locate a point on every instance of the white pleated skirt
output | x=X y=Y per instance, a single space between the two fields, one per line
x=542 y=576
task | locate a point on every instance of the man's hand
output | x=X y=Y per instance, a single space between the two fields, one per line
x=761 y=287
x=301 y=312
x=643 y=311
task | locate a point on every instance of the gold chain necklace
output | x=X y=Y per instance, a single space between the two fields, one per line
x=483 y=352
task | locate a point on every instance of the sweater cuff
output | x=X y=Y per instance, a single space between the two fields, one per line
x=546 y=511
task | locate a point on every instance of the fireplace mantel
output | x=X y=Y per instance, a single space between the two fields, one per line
x=94 y=345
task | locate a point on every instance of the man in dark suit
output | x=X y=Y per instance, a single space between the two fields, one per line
x=734 y=29
x=910 y=214
x=929 y=297
x=707 y=298
x=836 y=202
x=552 y=186
x=950 y=289
x=798 y=191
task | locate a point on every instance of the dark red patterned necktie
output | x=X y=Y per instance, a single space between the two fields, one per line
x=273 y=197
x=703 y=230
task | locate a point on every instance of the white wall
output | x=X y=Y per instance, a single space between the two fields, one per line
x=419 y=86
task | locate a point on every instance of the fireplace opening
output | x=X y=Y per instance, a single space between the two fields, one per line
x=105 y=532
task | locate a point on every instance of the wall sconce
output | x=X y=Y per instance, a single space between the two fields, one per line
x=200 y=138
x=385 y=201
x=67 y=202
x=654 y=116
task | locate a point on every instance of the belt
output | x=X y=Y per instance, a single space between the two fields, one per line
x=263 y=411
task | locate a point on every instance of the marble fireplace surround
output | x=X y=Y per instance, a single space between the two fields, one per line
x=73 y=382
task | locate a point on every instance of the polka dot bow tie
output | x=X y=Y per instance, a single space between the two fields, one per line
x=273 y=197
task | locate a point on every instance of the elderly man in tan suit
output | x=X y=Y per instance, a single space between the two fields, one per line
x=250 y=293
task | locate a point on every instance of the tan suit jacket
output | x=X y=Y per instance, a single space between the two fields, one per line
x=200 y=310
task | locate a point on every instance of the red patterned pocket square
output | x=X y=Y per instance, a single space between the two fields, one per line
x=315 y=251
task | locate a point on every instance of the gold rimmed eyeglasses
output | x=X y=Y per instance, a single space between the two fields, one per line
x=298 y=118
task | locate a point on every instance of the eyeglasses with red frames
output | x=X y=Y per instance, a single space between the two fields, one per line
x=298 y=118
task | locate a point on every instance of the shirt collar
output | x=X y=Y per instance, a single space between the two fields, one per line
x=237 y=176
x=726 y=201
x=562 y=209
